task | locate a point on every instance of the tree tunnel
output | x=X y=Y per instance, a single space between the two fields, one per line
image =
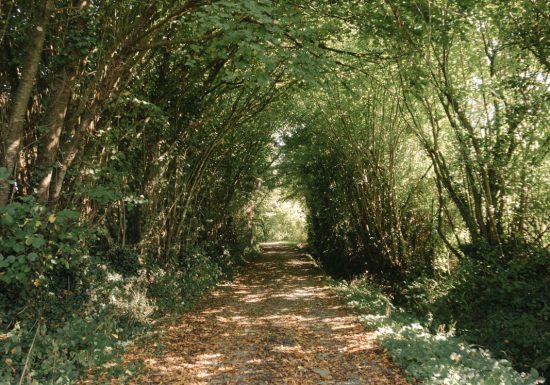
x=146 y=149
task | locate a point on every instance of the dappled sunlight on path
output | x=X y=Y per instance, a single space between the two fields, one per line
x=278 y=323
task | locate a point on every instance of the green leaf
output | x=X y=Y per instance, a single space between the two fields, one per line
x=6 y=219
x=36 y=241
x=18 y=247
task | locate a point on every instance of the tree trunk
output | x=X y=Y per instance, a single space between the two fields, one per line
x=56 y=113
x=49 y=142
x=15 y=130
x=69 y=151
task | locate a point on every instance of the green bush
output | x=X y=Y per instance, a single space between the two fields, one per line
x=123 y=260
x=433 y=358
x=496 y=301
x=68 y=305
x=54 y=317
x=45 y=268
x=177 y=289
x=60 y=355
x=40 y=250
x=502 y=304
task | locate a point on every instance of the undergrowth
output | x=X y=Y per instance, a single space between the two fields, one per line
x=68 y=307
x=434 y=358
x=498 y=303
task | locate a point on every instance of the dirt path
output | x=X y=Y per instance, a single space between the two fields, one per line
x=278 y=323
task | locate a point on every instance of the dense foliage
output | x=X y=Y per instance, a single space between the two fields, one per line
x=433 y=357
x=281 y=219
x=134 y=135
x=430 y=170
x=138 y=138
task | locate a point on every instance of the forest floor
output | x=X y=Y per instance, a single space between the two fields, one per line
x=279 y=322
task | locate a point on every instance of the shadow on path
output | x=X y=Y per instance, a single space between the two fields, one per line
x=279 y=322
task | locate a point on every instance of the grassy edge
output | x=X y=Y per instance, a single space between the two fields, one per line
x=432 y=359
x=117 y=368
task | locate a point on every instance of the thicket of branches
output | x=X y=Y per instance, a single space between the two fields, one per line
x=134 y=135
x=429 y=168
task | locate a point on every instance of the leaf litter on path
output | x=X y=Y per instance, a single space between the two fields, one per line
x=279 y=322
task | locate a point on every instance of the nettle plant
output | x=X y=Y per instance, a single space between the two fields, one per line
x=44 y=278
x=39 y=248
